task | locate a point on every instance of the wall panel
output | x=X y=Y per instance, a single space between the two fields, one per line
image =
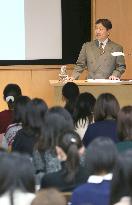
x=119 y=12
x=33 y=80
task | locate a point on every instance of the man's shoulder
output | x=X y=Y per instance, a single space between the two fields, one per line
x=90 y=43
x=115 y=44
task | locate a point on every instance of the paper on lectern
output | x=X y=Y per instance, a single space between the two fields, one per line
x=117 y=54
x=102 y=81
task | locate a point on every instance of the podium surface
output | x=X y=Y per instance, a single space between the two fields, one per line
x=122 y=90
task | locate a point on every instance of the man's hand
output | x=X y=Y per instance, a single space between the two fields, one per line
x=112 y=77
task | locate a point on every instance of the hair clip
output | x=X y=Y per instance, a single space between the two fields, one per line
x=8 y=98
x=73 y=140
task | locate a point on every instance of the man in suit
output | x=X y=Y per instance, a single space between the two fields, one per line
x=103 y=57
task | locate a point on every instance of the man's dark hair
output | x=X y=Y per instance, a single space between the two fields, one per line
x=105 y=22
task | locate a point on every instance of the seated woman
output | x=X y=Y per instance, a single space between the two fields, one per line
x=101 y=158
x=26 y=138
x=105 y=115
x=19 y=114
x=83 y=112
x=17 y=185
x=10 y=94
x=72 y=174
x=57 y=120
x=121 y=188
x=124 y=127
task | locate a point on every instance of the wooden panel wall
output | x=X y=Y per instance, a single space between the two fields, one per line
x=33 y=80
x=20 y=77
x=119 y=12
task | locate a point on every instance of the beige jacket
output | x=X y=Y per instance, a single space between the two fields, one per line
x=100 y=66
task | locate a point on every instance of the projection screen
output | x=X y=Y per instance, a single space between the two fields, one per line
x=30 y=29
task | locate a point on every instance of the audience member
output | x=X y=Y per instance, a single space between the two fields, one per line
x=105 y=115
x=83 y=112
x=26 y=138
x=121 y=189
x=57 y=120
x=63 y=112
x=98 y=55
x=100 y=160
x=70 y=92
x=49 y=197
x=69 y=149
x=17 y=184
x=124 y=127
x=18 y=120
x=10 y=94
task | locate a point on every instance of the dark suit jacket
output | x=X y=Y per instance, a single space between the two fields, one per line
x=57 y=179
x=100 y=66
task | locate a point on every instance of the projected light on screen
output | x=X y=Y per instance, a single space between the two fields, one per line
x=30 y=29
x=12 y=31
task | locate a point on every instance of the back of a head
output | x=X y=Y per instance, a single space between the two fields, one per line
x=10 y=93
x=41 y=106
x=70 y=91
x=122 y=178
x=35 y=112
x=106 y=107
x=54 y=125
x=63 y=112
x=124 y=123
x=49 y=197
x=14 y=175
x=101 y=156
x=71 y=143
x=20 y=108
x=69 y=139
x=84 y=106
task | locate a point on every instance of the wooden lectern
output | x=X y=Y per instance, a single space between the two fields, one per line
x=122 y=90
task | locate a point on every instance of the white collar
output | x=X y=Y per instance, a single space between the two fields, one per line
x=98 y=179
x=104 y=42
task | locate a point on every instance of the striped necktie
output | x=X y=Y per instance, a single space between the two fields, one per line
x=101 y=48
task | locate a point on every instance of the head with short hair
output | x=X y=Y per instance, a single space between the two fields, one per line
x=102 y=29
x=124 y=123
x=105 y=22
x=49 y=197
x=106 y=107
x=101 y=155
x=14 y=175
x=122 y=177
x=10 y=93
